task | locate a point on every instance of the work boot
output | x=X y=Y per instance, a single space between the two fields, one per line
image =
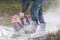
x=42 y=27
x=41 y=32
x=31 y=28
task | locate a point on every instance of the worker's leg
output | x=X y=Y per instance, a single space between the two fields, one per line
x=34 y=17
x=41 y=20
x=25 y=5
x=42 y=24
x=23 y=2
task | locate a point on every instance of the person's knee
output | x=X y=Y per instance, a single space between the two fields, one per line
x=34 y=16
x=16 y=26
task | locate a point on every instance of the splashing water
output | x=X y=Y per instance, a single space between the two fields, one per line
x=52 y=18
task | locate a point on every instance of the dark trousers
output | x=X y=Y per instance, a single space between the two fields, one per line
x=36 y=11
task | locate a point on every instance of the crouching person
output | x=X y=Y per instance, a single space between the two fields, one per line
x=17 y=22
